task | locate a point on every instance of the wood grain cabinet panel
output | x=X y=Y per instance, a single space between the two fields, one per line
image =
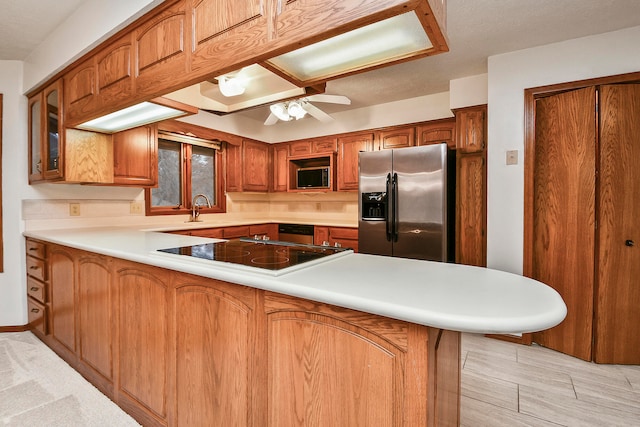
x=114 y=67
x=63 y=297
x=280 y=167
x=255 y=166
x=161 y=47
x=143 y=341
x=80 y=92
x=135 y=156
x=95 y=321
x=215 y=353
x=228 y=28
x=471 y=210
x=471 y=129
x=396 y=138
x=437 y=132
x=348 y=149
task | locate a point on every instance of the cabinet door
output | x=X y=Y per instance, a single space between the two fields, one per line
x=95 y=320
x=280 y=168
x=320 y=357
x=224 y=29
x=114 y=72
x=437 y=132
x=161 y=50
x=324 y=145
x=143 y=342
x=300 y=148
x=235 y=232
x=470 y=129
x=348 y=149
x=396 y=138
x=63 y=297
x=80 y=93
x=471 y=210
x=269 y=230
x=214 y=233
x=216 y=353
x=35 y=139
x=53 y=132
x=88 y=157
x=135 y=157
x=320 y=235
x=233 y=160
x=255 y=166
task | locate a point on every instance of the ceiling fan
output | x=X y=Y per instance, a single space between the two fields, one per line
x=298 y=108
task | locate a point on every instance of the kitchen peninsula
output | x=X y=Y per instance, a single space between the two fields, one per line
x=352 y=340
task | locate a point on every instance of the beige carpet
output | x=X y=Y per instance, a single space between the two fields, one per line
x=37 y=388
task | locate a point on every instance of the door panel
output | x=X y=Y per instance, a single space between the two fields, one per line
x=421 y=202
x=618 y=290
x=564 y=218
x=375 y=169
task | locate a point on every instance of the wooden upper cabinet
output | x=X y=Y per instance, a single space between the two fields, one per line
x=135 y=157
x=226 y=29
x=53 y=132
x=248 y=166
x=396 y=138
x=348 y=149
x=114 y=66
x=80 y=92
x=88 y=157
x=437 y=132
x=255 y=166
x=471 y=129
x=320 y=145
x=161 y=50
x=280 y=167
x=36 y=137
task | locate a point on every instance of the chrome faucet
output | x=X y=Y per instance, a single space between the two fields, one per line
x=195 y=207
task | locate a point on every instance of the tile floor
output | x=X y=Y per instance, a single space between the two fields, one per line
x=505 y=384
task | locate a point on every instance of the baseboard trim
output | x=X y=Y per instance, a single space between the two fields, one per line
x=14 y=328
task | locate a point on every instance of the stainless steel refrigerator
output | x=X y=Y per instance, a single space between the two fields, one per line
x=407 y=203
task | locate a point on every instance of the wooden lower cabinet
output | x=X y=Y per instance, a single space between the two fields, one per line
x=185 y=350
x=344 y=236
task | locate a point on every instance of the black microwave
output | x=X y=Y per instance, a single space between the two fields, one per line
x=315 y=177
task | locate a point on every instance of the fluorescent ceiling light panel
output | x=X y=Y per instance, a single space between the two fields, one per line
x=376 y=43
x=134 y=116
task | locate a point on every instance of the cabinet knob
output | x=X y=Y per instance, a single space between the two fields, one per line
x=35 y=310
x=629 y=242
x=34 y=267
x=33 y=288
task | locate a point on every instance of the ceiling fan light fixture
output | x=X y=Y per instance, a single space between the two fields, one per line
x=280 y=111
x=230 y=86
x=296 y=110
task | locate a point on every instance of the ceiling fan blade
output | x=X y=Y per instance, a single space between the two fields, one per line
x=331 y=99
x=317 y=113
x=271 y=120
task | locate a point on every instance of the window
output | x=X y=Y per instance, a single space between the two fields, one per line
x=186 y=167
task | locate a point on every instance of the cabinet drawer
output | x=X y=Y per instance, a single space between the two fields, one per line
x=37 y=268
x=213 y=233
x=240 y=231
x=36 y=249
x=343 y=233
x=36 y=289
x=36 y=313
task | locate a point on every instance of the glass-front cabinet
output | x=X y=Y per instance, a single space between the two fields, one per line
x=46 y=137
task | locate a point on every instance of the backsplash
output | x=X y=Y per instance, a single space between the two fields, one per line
x=322 y=208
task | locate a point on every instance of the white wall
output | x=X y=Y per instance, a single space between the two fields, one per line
x=509 y=74
x=13 y=300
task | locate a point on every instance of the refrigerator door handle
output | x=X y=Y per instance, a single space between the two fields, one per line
x=394 y=206
x=389 y=210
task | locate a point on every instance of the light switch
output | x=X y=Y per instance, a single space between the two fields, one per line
x=512 y=157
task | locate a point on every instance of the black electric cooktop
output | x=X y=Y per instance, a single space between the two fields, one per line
x=266 y=254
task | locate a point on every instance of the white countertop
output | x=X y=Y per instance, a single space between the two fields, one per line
x=448 y=296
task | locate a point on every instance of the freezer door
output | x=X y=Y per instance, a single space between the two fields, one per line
x=421 y=204
x=375 y=168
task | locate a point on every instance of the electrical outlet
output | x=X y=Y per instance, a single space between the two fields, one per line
x=74 y=209
x=135 y=208
x=512 y=157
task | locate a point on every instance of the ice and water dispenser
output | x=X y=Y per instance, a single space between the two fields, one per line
x=374 y=206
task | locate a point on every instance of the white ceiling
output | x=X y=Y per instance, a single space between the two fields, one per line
x=476 y=29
